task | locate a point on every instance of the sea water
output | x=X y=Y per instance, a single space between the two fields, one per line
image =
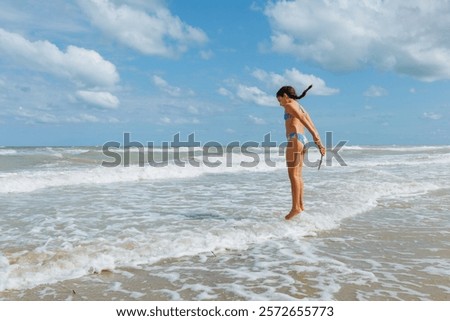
x=375 y=229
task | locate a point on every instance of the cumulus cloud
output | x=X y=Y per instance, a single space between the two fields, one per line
x=255 y=95
x=99 y=98
x=273 y=81
x=295 y=78
x=154 y=31
x=80 y=65
x=409 y=37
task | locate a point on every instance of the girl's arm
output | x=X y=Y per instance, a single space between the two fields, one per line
x=312 y=125
x=304 y=118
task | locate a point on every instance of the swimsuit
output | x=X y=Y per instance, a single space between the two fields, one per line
x=300 y=136
x=289 y=116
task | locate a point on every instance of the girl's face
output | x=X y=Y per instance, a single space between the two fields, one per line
x=282 y=100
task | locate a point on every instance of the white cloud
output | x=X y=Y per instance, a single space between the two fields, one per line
x=88 y=118
x=178 y=121
x=33 y=117
x=225 y=92
x=257 y=120
x=163 y=85
x=206 y=54
x=432 y=116
x=295 y=78
x=11 y=14
x=153 y=31
x=273 y=81
x=193 y=110
x=165 y=120
x=82 y=66
x=408 y=37
x=100 y=98
x=375 y=91
x=255 y=95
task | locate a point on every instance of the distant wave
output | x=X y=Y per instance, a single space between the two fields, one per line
x=77 y=166
x=394 y=148
x=28 y=181
x=7 y=152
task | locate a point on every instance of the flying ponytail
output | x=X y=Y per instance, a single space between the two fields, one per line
x=303 y=93
x=290 y=92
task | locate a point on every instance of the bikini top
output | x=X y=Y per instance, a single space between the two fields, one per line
x=288 y=116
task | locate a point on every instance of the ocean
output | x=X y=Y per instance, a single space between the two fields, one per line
x=375 y=229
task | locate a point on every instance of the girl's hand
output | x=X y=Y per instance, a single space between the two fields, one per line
x=321 y=147
x=322 y=150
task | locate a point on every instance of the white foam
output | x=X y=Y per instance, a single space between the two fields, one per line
x=120 y=245
x=56 y=175
x=394 y=148
x=4 y=272
x=5 y=152
x=28 y=181
x=400 y=160
x=93 y=233
x=51 y=263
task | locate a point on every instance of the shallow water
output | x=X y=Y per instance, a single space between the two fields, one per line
x=377 y=229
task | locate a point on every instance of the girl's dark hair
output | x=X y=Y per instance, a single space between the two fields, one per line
x=290 y=92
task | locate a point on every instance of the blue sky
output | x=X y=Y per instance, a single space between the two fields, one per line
x=83 y=72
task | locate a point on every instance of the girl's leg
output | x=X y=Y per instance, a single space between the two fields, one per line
x=294 y=159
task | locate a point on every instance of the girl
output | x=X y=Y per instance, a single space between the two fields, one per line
x=296 y=120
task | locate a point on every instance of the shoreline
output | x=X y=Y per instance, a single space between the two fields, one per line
x=374 y=267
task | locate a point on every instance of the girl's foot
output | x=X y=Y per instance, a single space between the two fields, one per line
x=292 y=214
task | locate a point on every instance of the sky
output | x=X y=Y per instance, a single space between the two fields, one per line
x=84 y=72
